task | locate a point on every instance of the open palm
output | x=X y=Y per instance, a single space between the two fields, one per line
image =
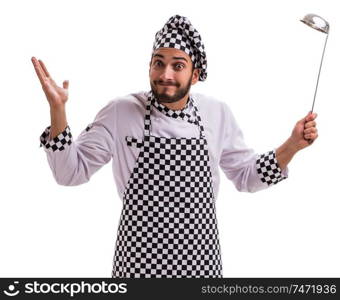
x=56 y=96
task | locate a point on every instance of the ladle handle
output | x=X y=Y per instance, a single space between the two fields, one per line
x=317 y=82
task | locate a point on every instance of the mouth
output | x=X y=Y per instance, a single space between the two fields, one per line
x=163 y=84
x=166 y=83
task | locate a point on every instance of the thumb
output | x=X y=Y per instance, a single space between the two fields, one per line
x=65 y=84
x=303 y=120
x=306 y=118
x=311 y=116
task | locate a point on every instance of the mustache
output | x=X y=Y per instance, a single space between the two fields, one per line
x=170 y=83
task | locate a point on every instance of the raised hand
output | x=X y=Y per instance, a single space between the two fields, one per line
x=56 y=96
x=305 y=131
x=303 y=135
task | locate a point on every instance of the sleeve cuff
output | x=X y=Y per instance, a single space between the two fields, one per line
x=59 y=142
x=268 y=168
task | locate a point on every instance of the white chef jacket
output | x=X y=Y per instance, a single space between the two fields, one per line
x=75 y=161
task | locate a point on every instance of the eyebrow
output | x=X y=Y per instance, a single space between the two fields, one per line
x=174 y=57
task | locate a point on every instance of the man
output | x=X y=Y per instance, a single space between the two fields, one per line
x=166 y=146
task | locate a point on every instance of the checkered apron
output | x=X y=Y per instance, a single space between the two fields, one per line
x=168 y=226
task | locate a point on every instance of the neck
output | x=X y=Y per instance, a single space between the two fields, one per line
x=178 y=105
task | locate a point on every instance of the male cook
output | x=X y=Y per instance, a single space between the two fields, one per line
x=166 y=146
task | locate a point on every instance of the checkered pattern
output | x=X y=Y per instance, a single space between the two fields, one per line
x=180 y=34
x=168 y=226
x=268 y=168
x=89 y=127
x=177 y=114
x=194 y=119
x=58 y=143
x=133 y=142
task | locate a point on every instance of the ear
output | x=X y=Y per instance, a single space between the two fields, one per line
x=150 y=67
x=195 y=76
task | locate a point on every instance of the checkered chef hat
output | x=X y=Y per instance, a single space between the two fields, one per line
x=180 y=34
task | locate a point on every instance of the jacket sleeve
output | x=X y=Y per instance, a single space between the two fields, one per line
x=73 y=162
x=249 y=171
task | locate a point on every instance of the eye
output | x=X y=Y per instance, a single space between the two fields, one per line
x=157 y=63
x=179 y=66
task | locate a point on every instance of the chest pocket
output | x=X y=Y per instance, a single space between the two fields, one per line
x=133 y=142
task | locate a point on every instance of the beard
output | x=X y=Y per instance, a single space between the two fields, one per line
x=165 y=98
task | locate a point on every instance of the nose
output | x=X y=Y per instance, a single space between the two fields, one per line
x=167 y=74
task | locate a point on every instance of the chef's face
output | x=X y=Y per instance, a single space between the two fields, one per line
x=171 y=74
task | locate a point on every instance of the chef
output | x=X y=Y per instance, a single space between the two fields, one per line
x=166 y=147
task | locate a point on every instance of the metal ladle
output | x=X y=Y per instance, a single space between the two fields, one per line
x=322 y=25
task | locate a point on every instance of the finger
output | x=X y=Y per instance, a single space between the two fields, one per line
x=302 y=121
x=310 y=130
x=65 y=84
x=44 y=68
x=310 y=124
x=307 y=118
x=311 y=136
x=311 y=116
x=38 y=70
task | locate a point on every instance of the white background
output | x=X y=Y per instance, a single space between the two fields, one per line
x=262 y=61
